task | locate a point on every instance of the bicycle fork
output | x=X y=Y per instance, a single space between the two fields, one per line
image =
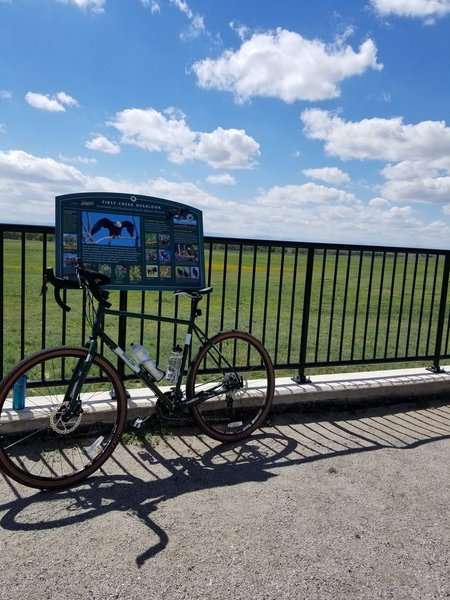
x=71 y=406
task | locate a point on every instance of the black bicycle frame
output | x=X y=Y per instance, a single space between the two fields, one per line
x=173 y=399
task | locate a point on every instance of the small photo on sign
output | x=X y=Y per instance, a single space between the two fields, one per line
x=151 y=271
x=151 y=255
x=151 y=239
x=164 y=255
x=70 y=242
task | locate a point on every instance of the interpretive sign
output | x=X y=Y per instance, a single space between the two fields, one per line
x=140 y=242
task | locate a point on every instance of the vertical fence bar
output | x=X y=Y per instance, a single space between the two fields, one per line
x=369 y=296
x=355 y=315
x=301 y=378
x=266 y=294
x=391 y=297
x=291 y=320
x=2 y=305
x=43 y=296
x=433 y=296
x=380 y=301
x=224 y=286
x=319 y=313
x=422 y=303
x=280 y=298
x=442 y=312
x=402 y=301
x=209 y=281
x=122 y=333
x=252 y=292
x=411 y=307
x=333 y=300
x=238 y=289
x=344 y=307
x=22 y=296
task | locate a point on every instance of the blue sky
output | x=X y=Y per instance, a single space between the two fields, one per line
x=295 y=120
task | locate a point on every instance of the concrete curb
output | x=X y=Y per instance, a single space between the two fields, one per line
x=324 y=392
x=364 y=389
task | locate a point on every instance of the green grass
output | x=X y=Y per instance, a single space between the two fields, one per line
x=396 y=314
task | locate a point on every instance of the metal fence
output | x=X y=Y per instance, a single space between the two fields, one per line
x=312 y=305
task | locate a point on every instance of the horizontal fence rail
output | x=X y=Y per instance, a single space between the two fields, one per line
x=311 y=305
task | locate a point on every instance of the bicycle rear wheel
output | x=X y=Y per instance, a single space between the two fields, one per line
x=233 y=371
x=38 y=447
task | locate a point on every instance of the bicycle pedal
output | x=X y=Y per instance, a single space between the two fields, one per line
x=143 y=422
x=137 y=423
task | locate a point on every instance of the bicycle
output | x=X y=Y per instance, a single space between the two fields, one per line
x=76 y=401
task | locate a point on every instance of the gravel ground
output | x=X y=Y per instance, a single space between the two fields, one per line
x=350 y=505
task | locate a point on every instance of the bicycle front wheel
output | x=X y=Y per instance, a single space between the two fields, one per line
x=42 y=444
x=233 y=380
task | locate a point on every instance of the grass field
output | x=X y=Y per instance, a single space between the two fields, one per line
x=363 y=305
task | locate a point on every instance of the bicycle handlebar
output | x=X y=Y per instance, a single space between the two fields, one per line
x=90 y=280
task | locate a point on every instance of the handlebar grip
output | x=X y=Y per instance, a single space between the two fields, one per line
x=86 y=279
x=58 y=285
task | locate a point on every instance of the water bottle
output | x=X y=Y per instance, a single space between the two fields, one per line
x=19 y=393
x=143 y=358
x=174 y=366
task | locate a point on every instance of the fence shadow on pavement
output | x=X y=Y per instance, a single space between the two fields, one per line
x=138 y=478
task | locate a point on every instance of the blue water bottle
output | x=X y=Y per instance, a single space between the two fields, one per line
x=20 y=392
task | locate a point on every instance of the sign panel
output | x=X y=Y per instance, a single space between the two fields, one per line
x=140 y=242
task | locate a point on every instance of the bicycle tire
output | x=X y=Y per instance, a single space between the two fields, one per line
x=37 y=448
x=232 y=415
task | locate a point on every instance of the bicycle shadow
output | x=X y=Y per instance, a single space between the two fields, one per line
x=101 y=494
x=291 y=440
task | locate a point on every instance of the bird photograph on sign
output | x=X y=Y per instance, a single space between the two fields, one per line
x=110 y=229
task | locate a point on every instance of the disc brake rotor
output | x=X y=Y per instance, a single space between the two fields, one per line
x=63 y=427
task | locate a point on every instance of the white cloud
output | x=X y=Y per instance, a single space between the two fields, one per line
x=221 y=179
x=305 y=196
x=197 y=25
x=168 y=132
x=379 y=203
x=153 y=5
x=29 y=184
x=101 y=144
x=420 y=152
x=183 y=6
x=5 y=95
x=377 y=139
x=65 y=99
x=310 y=212
x=83 y=160
x=283 y=64
x=428 y=10
x=49 y=103
x=226 y=149
x=331 y=175
x=242 y=31
x=417 y=181
x=94 y=6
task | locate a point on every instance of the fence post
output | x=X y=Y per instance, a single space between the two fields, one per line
x=2 y=305
x=435 y=368
x=301 y=378
x=122 y=333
